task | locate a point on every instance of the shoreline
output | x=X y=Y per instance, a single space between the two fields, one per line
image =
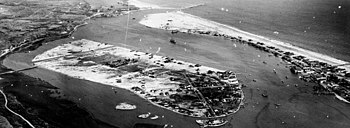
x=184 y=22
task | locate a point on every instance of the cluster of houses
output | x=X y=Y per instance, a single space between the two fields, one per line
x=220 y=90
x=332 y=79
x=111 y=11
x=212 y=94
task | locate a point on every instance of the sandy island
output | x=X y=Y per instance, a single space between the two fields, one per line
x=185 y=88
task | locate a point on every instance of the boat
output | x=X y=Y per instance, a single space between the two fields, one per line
x=276 y=104
x=144 y=116
x=211 y=122
x=265 y=94
x=154 y=117
x=125 y=106
x=172 y=41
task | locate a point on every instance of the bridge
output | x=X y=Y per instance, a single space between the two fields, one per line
x=9 y=72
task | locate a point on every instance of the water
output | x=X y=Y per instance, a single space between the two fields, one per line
x=318 y=25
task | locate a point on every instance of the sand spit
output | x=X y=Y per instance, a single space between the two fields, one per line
x=184 y=22
x=185 y=88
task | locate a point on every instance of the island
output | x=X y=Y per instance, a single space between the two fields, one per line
x=185 y=88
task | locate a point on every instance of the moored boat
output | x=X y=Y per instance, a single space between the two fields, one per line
x=154 y=117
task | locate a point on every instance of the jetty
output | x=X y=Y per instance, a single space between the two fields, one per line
x=193 y=6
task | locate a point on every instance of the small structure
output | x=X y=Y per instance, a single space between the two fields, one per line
x=265 y=94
